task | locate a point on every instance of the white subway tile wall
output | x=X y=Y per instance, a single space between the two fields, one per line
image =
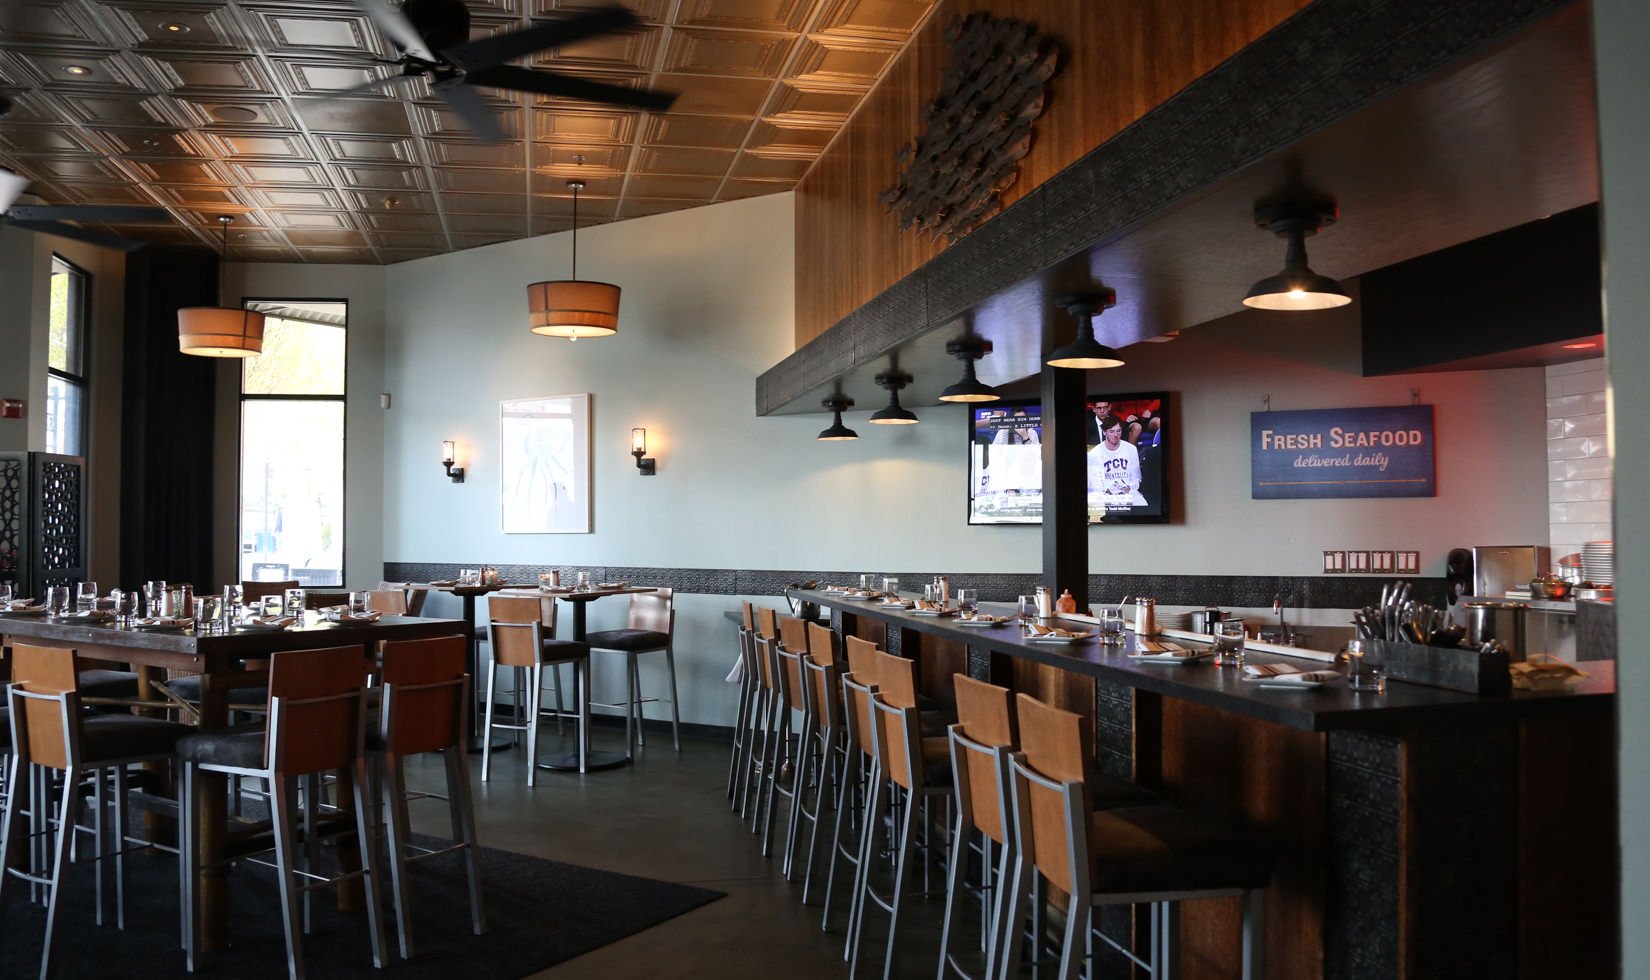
x=1578 y=456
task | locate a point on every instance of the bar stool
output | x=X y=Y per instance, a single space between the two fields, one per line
x=792 y=700
x=824 y=745
x=317 y=724
x=424 y=708
x=650 y=628
x=1145 y=854
x=747 y=694
x=517 y=639
x=981 y=742
x=50 y=733
x=859 y=686
x=762 y=697
x=389 y=602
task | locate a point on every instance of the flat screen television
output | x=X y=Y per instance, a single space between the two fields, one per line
x=1127 y=442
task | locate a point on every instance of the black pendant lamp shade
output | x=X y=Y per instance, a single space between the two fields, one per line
x=894 y=414
x=837 y=431
x=1297 y=287
x=1086 y=351
x=970 y=388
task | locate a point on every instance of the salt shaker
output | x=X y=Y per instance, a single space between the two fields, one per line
x=1145 y=616
x=1045 y=602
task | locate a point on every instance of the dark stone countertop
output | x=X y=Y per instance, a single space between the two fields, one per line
x=1322 y=709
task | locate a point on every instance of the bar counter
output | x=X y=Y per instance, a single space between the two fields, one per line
x=1420 y=833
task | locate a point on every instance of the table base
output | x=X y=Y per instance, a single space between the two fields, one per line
x=476 y=743
x=594 y=759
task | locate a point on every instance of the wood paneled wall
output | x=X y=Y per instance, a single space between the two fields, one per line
x=1121 y=59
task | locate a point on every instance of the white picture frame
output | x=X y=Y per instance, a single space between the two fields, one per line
x=544 y=465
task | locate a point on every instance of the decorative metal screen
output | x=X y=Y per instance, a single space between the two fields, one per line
x=57 y=498
x=14 y=519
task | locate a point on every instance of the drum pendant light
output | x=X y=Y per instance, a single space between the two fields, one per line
x=837 y=432
x=1085 y=351
x=572 y=307
x=1297 y=287
x=220 y=331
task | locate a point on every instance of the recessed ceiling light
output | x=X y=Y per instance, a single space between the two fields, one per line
x=77 y=70
x=234 y=113
x=175 y=27
x=150 y=141
x=1582 y=345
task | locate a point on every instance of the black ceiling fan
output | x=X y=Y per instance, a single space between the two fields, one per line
x=50 y=218
x=434 y=38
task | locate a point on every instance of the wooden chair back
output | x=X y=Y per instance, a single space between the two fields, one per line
x=45 y=704
x=793 y=691
x=515 y=609
x=822 y=644
x=390 y=602
x=654 y=611
x=750 y=615
x=767 y=623
x=415 y=600
x=857 y=694
x=251 y=591
x=825 y=692
x=767 y=674
x=896 y=731
x=860 y=660
x=315 y=711
x=896 y=679
x=426 y=693
x=980 y=743
x=1050 y=808
x=793 y=634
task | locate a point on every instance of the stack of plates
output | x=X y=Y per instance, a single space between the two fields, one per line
x=1174 y=621
x=1598 y=562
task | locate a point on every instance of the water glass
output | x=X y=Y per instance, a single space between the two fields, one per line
x=1229 y=640
x=57 y=601
x=154 y=594
x=295 y=602
x=1028 y=610
x=206 y=615
x=550 y=580
x=890 y=585
x=865 y=582
x=125 y=606
x=968 y=602
x=273 y=606
x=584 y=582
x=1361 y=675
x=1111 y=627
x=359 y=603
x=5 y=593
x=85 y=597
x=234 y=599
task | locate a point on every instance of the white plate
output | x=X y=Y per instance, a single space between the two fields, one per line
x=1059 y=639
x=834 y=592
x=932 y=613
x=981 y=623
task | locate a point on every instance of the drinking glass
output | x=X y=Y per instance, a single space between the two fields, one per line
x=273 y=606
x=85 y=597
x=1028 y=610
x=890 y=585
x=295 y=602
x=1361 y=675
x=57 y=601
x=968 y=603
x=233 y=600
x=359 y=603
x=154 y=594
x=5 y=593
x=206 y=615
x=550 y=580
x=125 y=604
x=865 y=582
x=1111 y=627
x=930 y=593
x=584 y=582
x=1229 y=641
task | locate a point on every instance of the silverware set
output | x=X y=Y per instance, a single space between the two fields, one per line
x=1402 y=619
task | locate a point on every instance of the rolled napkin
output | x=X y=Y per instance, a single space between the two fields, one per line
x=163 y=622
x=341 y=614
x=612 y=585
x=273 y=622
x=1269 y=670
x=1304 y=677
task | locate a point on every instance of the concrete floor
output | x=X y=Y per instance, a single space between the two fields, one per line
x=667 y=817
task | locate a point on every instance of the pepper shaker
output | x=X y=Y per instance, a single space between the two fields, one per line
x=1145 y=616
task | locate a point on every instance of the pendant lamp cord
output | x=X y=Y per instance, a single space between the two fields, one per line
x=575 y=231
x=223 y=256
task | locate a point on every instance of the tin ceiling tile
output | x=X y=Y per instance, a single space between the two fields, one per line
x=93 y=193
x=739 y=188
x=386 y=178
x=303 y=237
x=796 y=105
x=461 y=203
x=179 y=171
x=736 y=53
x=758 y=15
x=216 y=74
x=687 y=188
x=325 y=220
x=296 y=197
x=572 y=160
x=258 y=172
x=887 y=20
x=70 y=168
x=211 y=113
x=583 y=125
x=118 y=110
x=513 y=224
x=621 y=53
x=262 y=253
x=555 y=185
x=679 y=160
x=149 y=142
x=199 y=195
x=436 y=119
x=675 y=129
x=826 y=62
x=714 y=96
x=769 y=168
x=332 y=27
x=352 y=117
x=392 y=221
x=769 y=140
x=425 y=240
x=480 y=181
x=44 y=139
x=393 y=201
x=469 y=153
x=83 y=70
x=653 y=11
x=323 y=78
x=641 y=207
x=264 y=145
x=342 y=256
x=592 y=209
x=184 y=26
x=25 y=22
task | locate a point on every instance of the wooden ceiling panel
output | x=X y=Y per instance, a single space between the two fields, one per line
x=243 y=107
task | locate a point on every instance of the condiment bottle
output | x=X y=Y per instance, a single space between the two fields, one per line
x=1045 y=602
x=945 y=592
x=1145 y=616
x=1065 y=604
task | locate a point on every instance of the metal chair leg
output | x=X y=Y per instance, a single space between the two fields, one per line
x=535 y=676
x=953 y=889
x=844 y=788
x=584 y=712
x=65 y=833
x=373 y=875
x=907 y=832
x=1254 y=933
x=487 y=724
x=286 y=854
x=675 y=712
x=462 y=807
x=634 y=707
x=395 y=801
x=870 y=825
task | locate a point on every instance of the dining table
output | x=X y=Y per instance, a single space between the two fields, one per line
x=224 y=661
x=581 y=599
x=467 y=594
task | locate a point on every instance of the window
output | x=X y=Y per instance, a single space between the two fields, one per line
x=292 y=445
x=66 y=360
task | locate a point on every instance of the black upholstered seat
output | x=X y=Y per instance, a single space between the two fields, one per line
x=241 y=747
x=104 y=737
x=188 y=688
x=1162 y=848
x=108 y=684
x=628 y=639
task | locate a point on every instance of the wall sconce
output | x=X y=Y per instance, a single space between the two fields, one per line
x=454 y=473
x=638 y=449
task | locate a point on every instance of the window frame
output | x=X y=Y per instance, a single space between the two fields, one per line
x=342 y=398
x=80 y=330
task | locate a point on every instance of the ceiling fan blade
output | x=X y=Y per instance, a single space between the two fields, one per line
x=550 y=83
x=114 y=214
x=496 y=50
x=397 y=28
x=78 y=234
x=11 y=185
x=376 y=84
x=470 y=108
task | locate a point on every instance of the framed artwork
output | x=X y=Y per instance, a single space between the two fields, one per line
x=544 y=465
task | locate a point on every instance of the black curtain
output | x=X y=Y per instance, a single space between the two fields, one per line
x=167 y=427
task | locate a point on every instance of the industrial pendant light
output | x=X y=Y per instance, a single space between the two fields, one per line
x=1085 y=351
x=894 y=414
x=837 y=431
x=572 y=307
x=220 y=331
x=970 y=388
x=1297 y=287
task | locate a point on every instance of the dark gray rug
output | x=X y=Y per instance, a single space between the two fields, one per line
x=539 y=913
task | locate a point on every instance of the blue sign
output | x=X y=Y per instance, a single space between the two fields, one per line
x=1342 y=452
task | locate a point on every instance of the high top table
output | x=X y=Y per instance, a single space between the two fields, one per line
x=593 y=758
x=467 y=596
x=218 y=660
